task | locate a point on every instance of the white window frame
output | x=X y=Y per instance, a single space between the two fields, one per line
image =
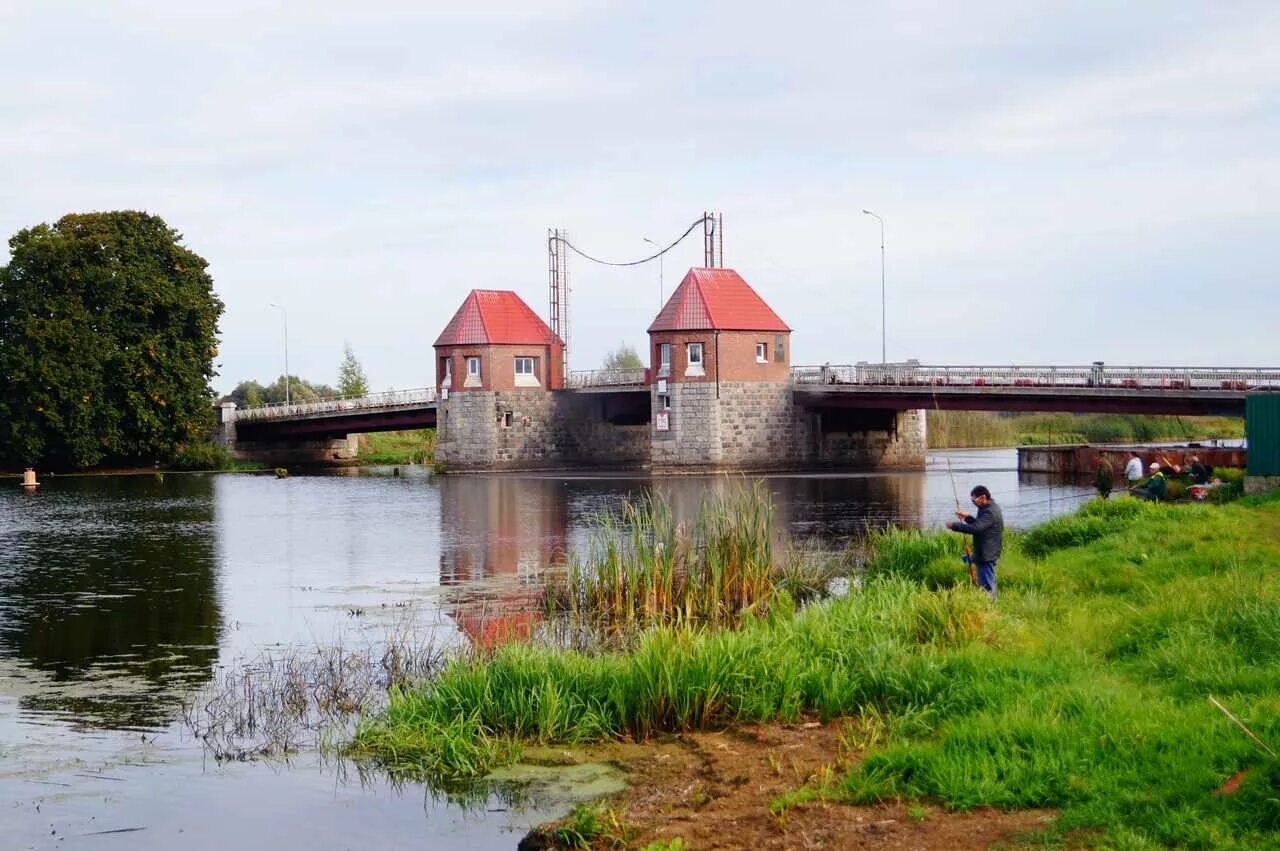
x=527 y=378
x=695 y=366
x=447 y=381
x=664 y=359
x=664 y=401
x=473 y=371
x=762 y=352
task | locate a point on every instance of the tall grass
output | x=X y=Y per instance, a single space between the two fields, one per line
x=642 y=567
x=956 y=429
x=414 y=446
x=1085 y=689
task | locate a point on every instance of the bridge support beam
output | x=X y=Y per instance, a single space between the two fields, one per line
x=294 y=452
x=870 y=438
x=280 y=451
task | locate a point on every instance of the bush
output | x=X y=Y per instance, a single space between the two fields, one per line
x=202 y=456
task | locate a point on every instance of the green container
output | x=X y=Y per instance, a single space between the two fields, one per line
x=1262 y=429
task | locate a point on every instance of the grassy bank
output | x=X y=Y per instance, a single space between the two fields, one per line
x=1084 y=689
x=415 y=446
x=956 y=429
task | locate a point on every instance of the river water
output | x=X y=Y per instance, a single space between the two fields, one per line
x=120 y=597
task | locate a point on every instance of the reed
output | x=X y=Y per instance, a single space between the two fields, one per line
x=642 y=567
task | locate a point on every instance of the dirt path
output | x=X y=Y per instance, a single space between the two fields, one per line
x=714 y=790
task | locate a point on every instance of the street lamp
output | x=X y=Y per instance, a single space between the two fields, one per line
x=883 y=358
x=286 y=349
x=660 y=285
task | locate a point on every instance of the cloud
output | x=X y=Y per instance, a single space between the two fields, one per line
x=1047 y=173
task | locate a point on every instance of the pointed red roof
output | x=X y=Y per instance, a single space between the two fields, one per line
x=495 y=317
x=716 y=299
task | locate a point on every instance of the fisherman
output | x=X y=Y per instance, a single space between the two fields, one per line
x=1133 y=469
x=988 y=536
x=1156 y=488
x=1200 y=473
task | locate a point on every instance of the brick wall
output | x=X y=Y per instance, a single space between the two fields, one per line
x=498 y=366
x=735 y=359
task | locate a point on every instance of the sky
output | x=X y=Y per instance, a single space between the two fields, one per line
x=1060 y=182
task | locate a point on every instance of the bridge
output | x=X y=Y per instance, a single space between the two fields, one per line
x=599 y=407
x=899 y=386
x=1096 y=388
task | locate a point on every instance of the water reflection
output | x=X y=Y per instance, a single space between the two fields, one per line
x=506 y=530
x=109 y=609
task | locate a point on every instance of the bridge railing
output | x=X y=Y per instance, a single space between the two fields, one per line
x=338 y=404
x=586 y=378
x=1171 y=378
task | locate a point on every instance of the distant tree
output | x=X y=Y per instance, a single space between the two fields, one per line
x=351 y=378
x=247 y=394
x=624 y=357
x=108 y=330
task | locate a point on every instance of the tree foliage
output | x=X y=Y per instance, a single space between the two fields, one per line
x=624 y=357
x=351 y=378
x=108 y=330
x=251 y=394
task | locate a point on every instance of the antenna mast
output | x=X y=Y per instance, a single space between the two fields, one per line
x=558 y=277
x=712 y=240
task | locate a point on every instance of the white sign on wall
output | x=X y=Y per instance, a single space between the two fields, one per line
x=662 y=421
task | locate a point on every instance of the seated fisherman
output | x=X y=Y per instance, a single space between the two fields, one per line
x=1200 y=473
x=1156 y=487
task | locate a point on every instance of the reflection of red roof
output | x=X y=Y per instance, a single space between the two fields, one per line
x=490 y=632
x=716 y=299
x=495 y=317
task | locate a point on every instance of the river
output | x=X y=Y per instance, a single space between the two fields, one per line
x=120 y=597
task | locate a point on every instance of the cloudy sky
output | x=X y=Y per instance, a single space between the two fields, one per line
x=1061 y=182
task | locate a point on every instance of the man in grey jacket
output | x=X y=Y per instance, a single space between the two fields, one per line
x=988 y=536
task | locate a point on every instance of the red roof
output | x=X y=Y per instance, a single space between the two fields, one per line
x=717 y=299
x=495 y=317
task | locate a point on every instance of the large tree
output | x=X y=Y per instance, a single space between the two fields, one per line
x=108 y=330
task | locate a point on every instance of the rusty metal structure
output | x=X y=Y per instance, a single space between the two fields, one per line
x=558 y=281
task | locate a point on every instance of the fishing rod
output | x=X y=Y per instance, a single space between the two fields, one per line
x=966 y=553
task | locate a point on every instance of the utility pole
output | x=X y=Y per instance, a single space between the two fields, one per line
x=883 y=358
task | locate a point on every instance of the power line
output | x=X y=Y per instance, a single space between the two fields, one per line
x=576 y=250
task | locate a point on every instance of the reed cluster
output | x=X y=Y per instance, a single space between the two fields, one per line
x=643 y=567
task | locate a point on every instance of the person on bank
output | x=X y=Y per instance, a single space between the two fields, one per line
x=1200 y=472
x=1133 y=469
x=1156 y=488
x=987 y=529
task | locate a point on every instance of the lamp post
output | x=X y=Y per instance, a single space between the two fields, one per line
x=883 y=357
x=286 y=349
x=661 y=288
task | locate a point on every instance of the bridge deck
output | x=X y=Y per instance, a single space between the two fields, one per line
x=1137 y=389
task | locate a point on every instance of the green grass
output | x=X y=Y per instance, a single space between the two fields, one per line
x=956 y=429
x=416 y=446
x=1084 y=689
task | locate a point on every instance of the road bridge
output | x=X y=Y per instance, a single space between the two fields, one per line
x=631 y=398
x=1095 y=388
